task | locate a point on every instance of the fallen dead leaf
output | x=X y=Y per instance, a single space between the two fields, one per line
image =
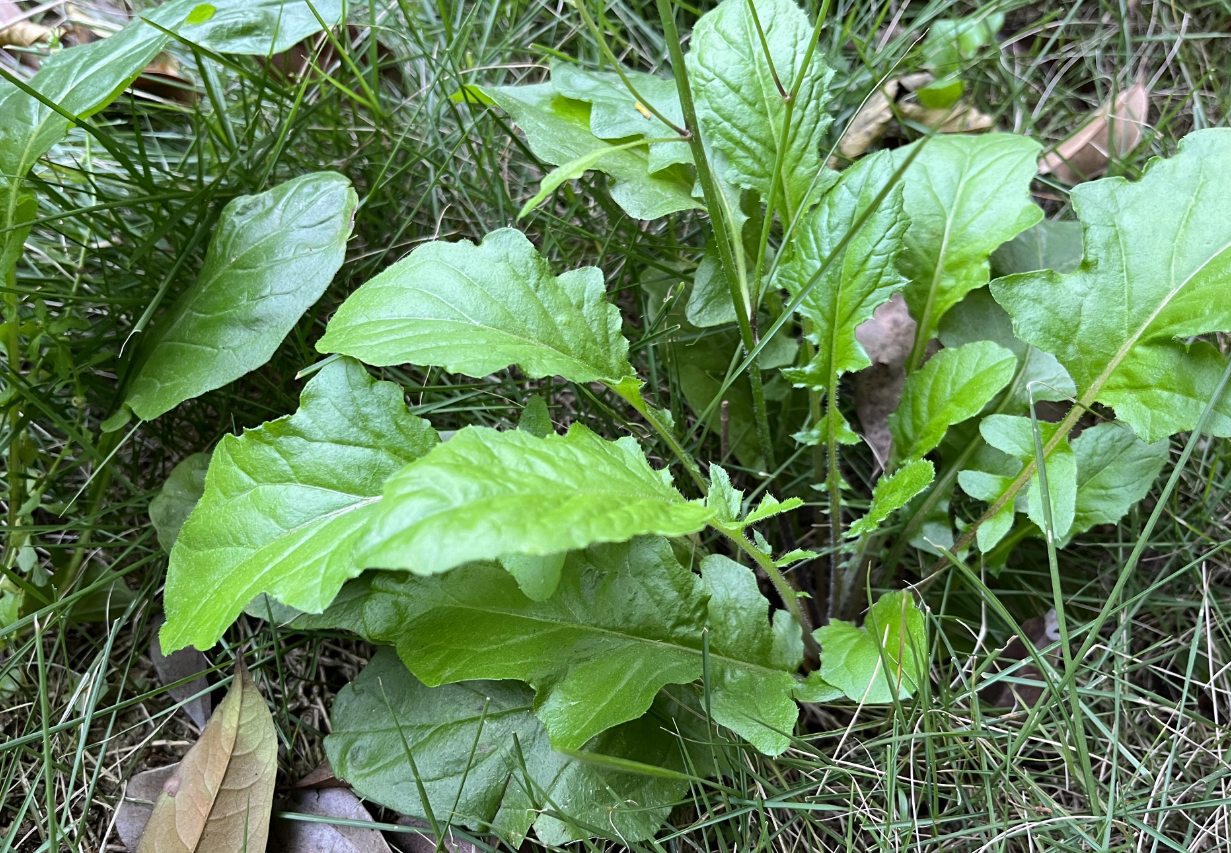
x=1042 y=632
x=180 y=665
x=321 y=777
x=299 y=836
x=414 y=842
x=1087 y=153
x=17 y=31
x=220 y=798
x=887 y=339
x=878 y=112
x=138 y=803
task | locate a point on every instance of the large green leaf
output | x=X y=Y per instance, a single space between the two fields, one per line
x=285 y=503
x=740 y=107
x=954 y=385
x=250 y=27
x=485 y=494
x=271 y=257
x=889 y=652
x=474 y=744
x=478 y=309
x=1157 y=271
x=858 y=280
x=1115 y=470
x=965 y=195
x=1014 y=436
x=616 y=114
x=1039 y=376
x=625 y=620
x=558 y=132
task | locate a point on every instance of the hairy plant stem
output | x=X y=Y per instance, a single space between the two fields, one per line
x=12 y=348
x=722 y=228
x=785 y=591
x=631 y=392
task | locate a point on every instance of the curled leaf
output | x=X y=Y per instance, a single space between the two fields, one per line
x=1113 y=126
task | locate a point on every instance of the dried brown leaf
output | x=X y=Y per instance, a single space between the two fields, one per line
x=298 y=836
x=1087 y=153
x=877 y=113
x=321 y=777
x=180 y=665
x=960 y=118
x=17 y=31
x=869 y=124
x=138 y=803
x=887 y=339
x=1042 y=632
x=220 y=798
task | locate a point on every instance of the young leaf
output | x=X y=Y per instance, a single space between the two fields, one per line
x=860 y=279
x=709 y=300
x=478 y=309
x=616 y=114
x=965 y=195
x=1115 y=470
x=250 y=27
x=285 y=503
x=486 y=494
x=625 y=620
x=462 y=738
x=536 y=418
x=178 y=495
x=954 y=385
x=221 y=795
x=270 y=258
x=740 y=102
x=558 y=132
x=892 y=493
x=1038 y=377
x=950 y=44
x=1014 y=436
x=1157 y=272
x=851 y=658
x=724 y=499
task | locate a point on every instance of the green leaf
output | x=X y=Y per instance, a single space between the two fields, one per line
x=616 y=114
x=625 y=620
x=1014 y=436
x=270 y=258
x=741 y=108
x=892 y=493
x=724 y=499
x=536 y=418
x=954 y=385
x=571 y=171
x=558 y=132
x=486 y=494
x=709 y=300
x=1115 y=470
x=965 y=195
x=478 y=309
x=285 y=503
x=178 y=495
x=1039 y=376
x=950 y=45
x=862 y=277
x=752 y=661
x=1157 y=271
x=851 y=658
x=1049 y=245
x=251 y=27
x=472 y=744
x=771 y=506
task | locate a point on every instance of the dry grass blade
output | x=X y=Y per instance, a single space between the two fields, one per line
x=1088 y=152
